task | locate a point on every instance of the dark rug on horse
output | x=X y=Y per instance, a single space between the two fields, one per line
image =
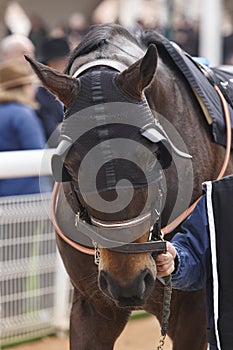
x=198 y=81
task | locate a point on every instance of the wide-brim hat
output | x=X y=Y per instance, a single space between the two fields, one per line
x=53 y=48
x=14 y=74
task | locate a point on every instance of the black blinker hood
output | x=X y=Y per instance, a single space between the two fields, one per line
x=100 y=104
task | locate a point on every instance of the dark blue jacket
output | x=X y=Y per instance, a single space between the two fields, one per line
x=205 y=257
x=20 y=129
x=50 y=113
x=193 y=249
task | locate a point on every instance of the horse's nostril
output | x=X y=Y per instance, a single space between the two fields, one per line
x=149 y=279
x=103 y=283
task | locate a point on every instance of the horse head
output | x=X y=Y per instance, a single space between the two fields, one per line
x=113 y=154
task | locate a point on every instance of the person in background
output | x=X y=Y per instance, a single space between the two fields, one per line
x=20 y=128
x=201 y=255
x=186 y=35
x=76 y=29
x=54 y=53
x=14 y=47
x=228 y=49
x=38 y=32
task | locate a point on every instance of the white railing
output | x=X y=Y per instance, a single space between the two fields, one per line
x=25 y=163
x=35 y=289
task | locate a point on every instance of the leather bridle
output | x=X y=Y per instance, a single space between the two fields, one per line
x=155 y=245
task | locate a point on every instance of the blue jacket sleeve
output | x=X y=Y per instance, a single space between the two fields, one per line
x=193 y=249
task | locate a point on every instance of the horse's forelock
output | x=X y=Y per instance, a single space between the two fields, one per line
x=97 y=36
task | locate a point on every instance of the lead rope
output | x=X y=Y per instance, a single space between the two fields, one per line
x=166 y=310
x=167 y=295
x=167 y=291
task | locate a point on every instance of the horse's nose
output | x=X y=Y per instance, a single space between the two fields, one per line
x=127 y=293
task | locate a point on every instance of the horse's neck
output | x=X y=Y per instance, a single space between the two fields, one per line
x=182 y=118
x=170 y=96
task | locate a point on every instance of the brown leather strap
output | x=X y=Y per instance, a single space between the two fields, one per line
x=79 y=247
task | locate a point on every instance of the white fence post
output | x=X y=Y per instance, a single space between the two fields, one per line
x=62 y=293
x=210 y=31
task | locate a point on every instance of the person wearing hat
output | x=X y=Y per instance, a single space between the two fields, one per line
x=54 y=53
x=20 y=128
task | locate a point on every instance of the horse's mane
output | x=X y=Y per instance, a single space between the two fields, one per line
x=97 y=37
x=149 y=36
x=100 y=36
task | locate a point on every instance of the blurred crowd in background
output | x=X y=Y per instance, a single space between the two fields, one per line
x=184 y=30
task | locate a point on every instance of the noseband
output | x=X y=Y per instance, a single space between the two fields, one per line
x=154 y=246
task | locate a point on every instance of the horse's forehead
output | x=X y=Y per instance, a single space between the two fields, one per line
x=118 y=49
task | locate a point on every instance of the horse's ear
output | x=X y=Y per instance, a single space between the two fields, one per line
x=139 y=75
x=61 y=85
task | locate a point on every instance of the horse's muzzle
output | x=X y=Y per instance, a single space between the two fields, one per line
x=127 y=294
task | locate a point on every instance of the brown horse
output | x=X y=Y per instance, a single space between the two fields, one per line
x=111 y=81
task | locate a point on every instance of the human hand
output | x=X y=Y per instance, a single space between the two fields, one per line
x=165 y=262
